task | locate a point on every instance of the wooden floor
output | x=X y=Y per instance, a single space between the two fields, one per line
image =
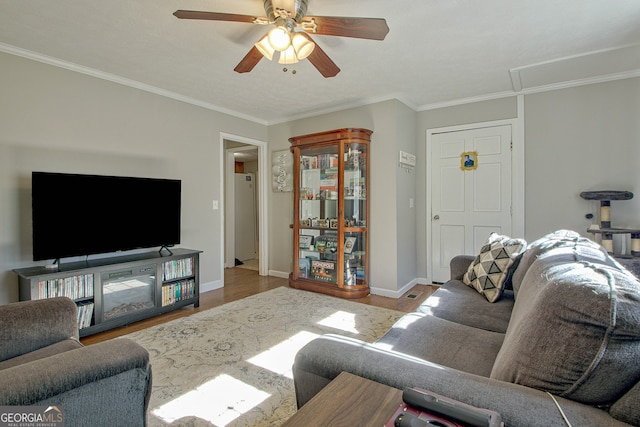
x=240 y=283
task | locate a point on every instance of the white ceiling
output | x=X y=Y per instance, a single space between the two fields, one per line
x=437 y=52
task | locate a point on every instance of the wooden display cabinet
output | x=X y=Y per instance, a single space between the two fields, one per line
x=331 y=212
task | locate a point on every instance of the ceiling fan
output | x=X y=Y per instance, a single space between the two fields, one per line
x=290 y=36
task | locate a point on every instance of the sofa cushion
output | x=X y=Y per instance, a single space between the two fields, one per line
x=575 y=327
x=443 y=342
x=457 y=302
x=41 y=353
x=589 y=251
x=626 y=408
x=30 y=325
x=488 y=273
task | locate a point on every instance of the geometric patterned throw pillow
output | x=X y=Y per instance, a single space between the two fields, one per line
x=488 y=272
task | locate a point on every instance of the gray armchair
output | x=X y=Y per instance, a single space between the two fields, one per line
x=43 y=363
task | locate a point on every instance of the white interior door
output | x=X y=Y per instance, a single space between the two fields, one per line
x=245 y=216
x=467 y=205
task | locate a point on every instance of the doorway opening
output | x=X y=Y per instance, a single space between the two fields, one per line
x=245 y=224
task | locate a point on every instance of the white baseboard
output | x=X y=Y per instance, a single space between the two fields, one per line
x=375 y=291
x=281 y=274
x=398 y=293
x=211 y=286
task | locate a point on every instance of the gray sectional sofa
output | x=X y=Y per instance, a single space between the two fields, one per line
x=561 y=345
x=42 y=363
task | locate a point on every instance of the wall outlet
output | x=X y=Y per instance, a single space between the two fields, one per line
x=215 y=205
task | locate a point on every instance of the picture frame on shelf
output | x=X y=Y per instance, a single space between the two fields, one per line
x=349 y=244
x=305 y=241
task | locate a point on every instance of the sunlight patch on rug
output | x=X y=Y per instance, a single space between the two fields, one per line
x=231 y=365
x=279 y=358
x=342 y=321
x=219 y=401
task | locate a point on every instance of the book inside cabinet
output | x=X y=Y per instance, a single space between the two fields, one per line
x=331 y=212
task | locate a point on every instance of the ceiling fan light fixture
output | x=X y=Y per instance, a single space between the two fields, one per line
x=302 y=45
x=288 y=56
x=280 y=38
x=265 y=47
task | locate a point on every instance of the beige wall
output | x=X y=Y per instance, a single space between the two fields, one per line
x=576 y=139
x=477 y=112
x=382 y=119
x=52 y=119
x=583 y=138
x=406 y=140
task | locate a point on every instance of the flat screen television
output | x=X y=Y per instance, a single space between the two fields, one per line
x=77 y=215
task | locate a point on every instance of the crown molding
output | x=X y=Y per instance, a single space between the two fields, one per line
x=317 y=112
x=12 y=50
x=533 y=90
x=341 y=107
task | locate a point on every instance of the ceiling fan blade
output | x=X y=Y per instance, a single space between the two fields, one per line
x=361 y=28
x=249 y=61
x=322 y=62
x=214 y=16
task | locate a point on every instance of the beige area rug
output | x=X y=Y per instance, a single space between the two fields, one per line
x=231 y=365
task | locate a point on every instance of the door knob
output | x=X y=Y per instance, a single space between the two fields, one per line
x=436 y=217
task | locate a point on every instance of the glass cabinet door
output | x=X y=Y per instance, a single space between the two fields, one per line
x=355 y=213
x=318 y=246
x=331 y=212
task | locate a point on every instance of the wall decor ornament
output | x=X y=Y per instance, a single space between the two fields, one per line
x=469 y=160
x=282 y=171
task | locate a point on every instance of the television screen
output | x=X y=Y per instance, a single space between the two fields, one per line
x=76 y=215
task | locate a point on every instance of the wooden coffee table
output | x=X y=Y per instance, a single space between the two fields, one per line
x=349 y=400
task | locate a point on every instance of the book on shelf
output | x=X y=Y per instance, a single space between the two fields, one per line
x=85 y=314
x=178 y=291
x=309 y=162
x=320 y=161
x=177 y=268
x=74 y=287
